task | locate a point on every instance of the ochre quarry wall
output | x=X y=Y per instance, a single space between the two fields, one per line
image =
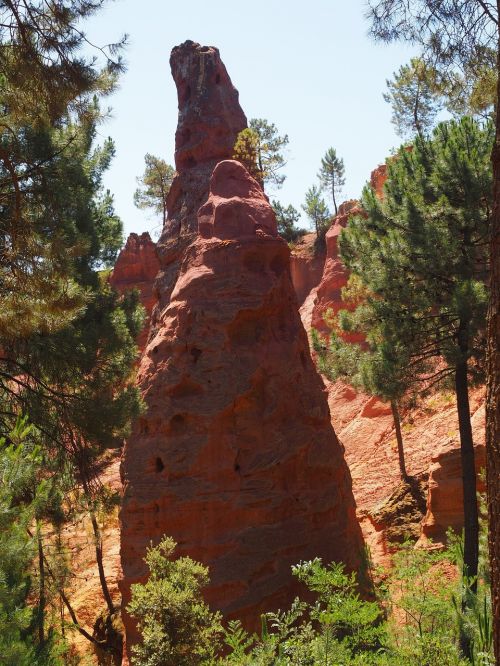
x=328 y=295
x=306 y=266
x=236 y=457
x=136 y=268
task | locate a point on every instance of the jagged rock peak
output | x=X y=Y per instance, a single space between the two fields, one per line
x=210 y=119
x=210 y=116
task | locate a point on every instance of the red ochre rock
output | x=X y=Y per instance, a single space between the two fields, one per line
x=445 y=493
x=306 y=266
x=335 y=275
x=378 y=178
x=210 y=119
x=235 y=457
x=328 y=294
x=136 y=267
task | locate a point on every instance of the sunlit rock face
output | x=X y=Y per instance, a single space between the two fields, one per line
x=236 y=457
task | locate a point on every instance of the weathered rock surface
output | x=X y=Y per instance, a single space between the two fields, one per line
x=378 y=178
x=445 y=495
x=136 y=267
x=364 y=426
x=236 y=457
x=306 y=266
x=210 y=119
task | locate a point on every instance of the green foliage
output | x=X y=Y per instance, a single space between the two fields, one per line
x=66 y=338
x=420 y=90
x=339 y=609
x=317 y=211
x=412 y=622
x=332 y=175
x=421 y=252
x=45 y=70
x=154 y=186
x=259 y=148
x=26 y=495
x=48 y=92
x=177 y=626
x=414 y=96
x=286 y=219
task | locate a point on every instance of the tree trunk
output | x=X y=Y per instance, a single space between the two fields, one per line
x=471 y=523
x=493 y=383
x=333 y=197
x=100 y=565
x=41 y=588
x=399 y=439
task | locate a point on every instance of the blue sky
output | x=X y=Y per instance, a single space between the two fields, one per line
x=309 y=67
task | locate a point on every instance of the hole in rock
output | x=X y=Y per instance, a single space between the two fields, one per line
x=155 y=349
x=278 y=265
x=254 y=262
x=185 y=136
x=236 y=467
x=177 y=423
x=186 y=388
x=159 y=466
x=191 y=162
x=217 y=79
x=195 y=353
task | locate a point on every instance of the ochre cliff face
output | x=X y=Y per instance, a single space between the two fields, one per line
x=136 y=267
x=236 y=457
x=328 y=297
x=445 y=494
x=306 y=266
x=210 y=119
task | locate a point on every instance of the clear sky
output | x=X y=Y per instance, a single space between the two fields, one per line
x=308 y=66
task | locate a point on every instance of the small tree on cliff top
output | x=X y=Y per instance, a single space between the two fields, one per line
x=259 y=148
x=317 y=211
x=332 y=175
x=154 y=186
x=286 y=220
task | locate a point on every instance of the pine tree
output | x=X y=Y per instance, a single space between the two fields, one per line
x=415 y=98
x=66 y=339
x=259 y=148
x=286 y=220
x=463 y=37
x=332 y=175
x=317 y=211
x=422 y=254
x=376 y=367
x=154 y=186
